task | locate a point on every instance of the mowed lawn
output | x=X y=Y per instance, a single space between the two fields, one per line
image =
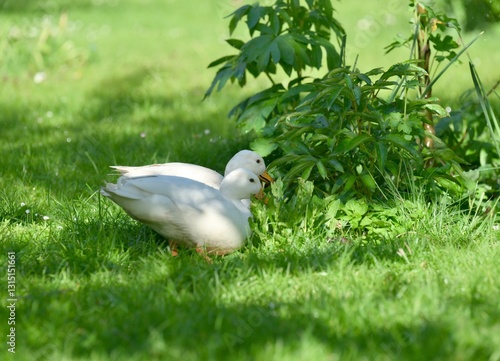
x=97 y=83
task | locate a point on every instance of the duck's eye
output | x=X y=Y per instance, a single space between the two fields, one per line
x=258 y=161
x=252 y=180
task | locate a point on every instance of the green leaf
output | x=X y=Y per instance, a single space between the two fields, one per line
x=375 y=71
x=307 y=171
x=263 y=60
x=332 y=209
x=437 y=109
x=357 y=94
x=401 y=142
x=394 y=119
x=221 y=78
x=333 y=60
x=316 y=56
x=337 y=165
x=403 y=69
x=286 y=48
x=254 y=117
x=445 y=154
x=356 y=207
x=221 y=60
x=381 y=148
x=302 y=167
x=365 y=78
x=445 y=44
x=348 y=181
x=301 y=57
x=257 y=47
x=448 y=182
x=235 y=43
x=368 y=181
x=322 y=170
x=263 y=146
x=254 y=16
x=275 y=52
x=237 y=15
x=275 y=23
x=296 y=90
x=405 y=127
x=357 y=141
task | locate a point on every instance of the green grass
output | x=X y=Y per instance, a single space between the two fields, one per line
x=92 y=284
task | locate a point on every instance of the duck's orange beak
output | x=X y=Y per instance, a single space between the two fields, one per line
x=266 y=179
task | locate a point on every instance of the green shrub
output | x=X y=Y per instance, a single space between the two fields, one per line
x=351 y=132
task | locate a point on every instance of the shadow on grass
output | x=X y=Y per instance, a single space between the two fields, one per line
x=178 y=314
x=148 y=302
x=151 y=319
x=122 y=121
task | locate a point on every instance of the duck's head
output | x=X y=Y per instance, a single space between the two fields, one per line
x=240 y=184
x=251 y=161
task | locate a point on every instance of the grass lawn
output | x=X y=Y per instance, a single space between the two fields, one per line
x=122 y=82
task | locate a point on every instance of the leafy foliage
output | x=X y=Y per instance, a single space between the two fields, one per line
x=343 y=131
x=349 y=131
x=468 y=133
x=290 y=36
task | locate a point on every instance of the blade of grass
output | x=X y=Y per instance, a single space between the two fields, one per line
x=488 y=111
x=452 y=61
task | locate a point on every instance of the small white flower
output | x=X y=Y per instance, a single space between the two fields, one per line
x=68 y=140
x=50 y=114
x=46 y=218
x=23 y=204
x=39 y=77
x=59 y=227
x=448 y=109
x=28 y=211
x=206 y=131
x=143 y=135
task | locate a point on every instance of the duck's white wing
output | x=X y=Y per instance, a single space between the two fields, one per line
x=183 y=210
x=185 y=170
x=167 y=191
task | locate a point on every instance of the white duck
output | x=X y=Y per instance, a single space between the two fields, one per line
x=190 y=212
x=243 y=159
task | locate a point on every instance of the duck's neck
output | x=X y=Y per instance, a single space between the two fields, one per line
x=230 y=193
x=231 y=190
